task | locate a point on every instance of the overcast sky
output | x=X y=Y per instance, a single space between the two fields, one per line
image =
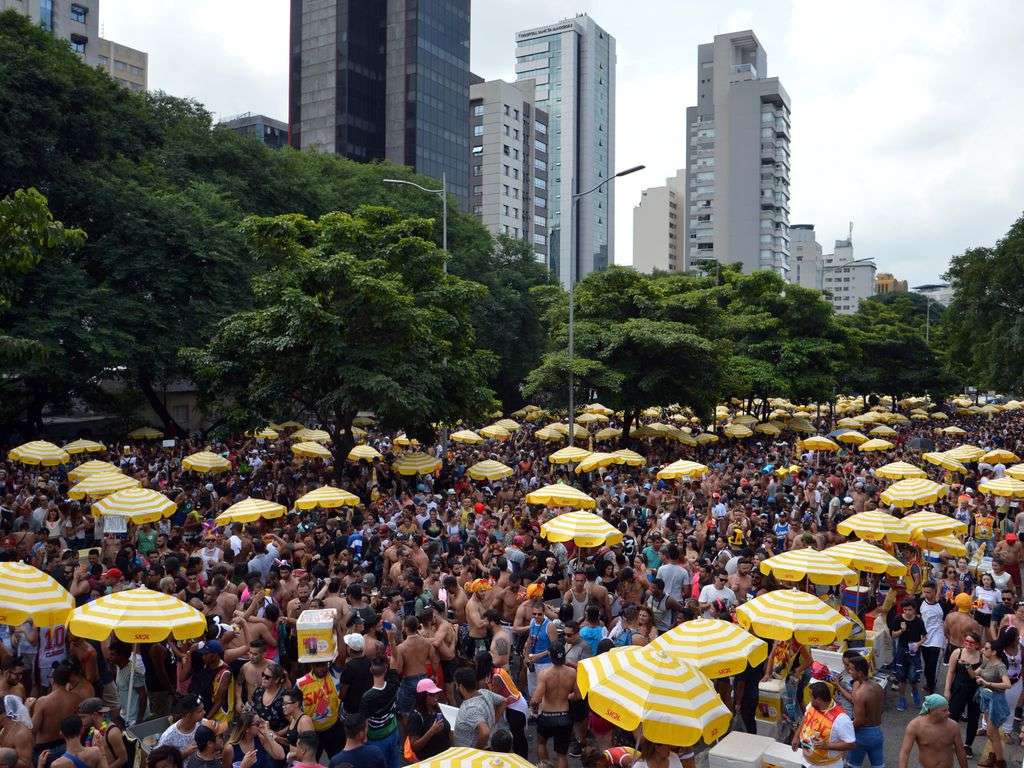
x=907 y=116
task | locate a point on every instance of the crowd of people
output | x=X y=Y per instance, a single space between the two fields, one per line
x=445 y=594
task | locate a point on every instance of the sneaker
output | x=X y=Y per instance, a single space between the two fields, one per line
x=575 y=749
x=901 y=705
x=968 y=750
x=917 y=697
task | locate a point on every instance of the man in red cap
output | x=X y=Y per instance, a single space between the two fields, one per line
x=1010 y=552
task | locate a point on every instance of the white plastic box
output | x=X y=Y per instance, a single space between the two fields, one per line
x=739 y=750
x=317 y=639
x=781 y=756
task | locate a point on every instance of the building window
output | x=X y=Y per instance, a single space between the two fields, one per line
x=539 y=221
x=540 y=146
x=540 y=165
x=508 y=131
x=478 y=110
x=477 y=189
x=506 y=109
x=515 y=134
x=78 y=43
x=478 y=150
x=505 y=209
x=78 y=13
x=540 y=128
x=540 y=239
x=539 y=183
x=506 y=189
x=46 y=15
x=515 y=113
x=515 y=213
x=137 y=71
x=478 y=130
x=120 y=66
x=506 y=150
x=540 y=202
x=515 y=173
x=515 y=193
x=515 y=154
x=477 y=170
x=104 y=61
x=478 y=210
x=505 y=167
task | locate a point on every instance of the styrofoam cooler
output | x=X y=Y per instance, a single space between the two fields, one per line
x=856 y=598
x=769 y=701
x=739 y=750
x=316 y=637
x=781 y=756
x=765 y=728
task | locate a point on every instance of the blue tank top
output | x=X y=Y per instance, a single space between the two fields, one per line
x=541 y=641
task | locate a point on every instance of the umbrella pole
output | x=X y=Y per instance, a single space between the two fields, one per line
x=131 y=681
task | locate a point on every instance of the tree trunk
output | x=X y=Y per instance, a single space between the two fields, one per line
x=171 y=427
x=627 y=422
x=344 y=442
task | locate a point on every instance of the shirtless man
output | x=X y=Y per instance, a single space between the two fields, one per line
x=501 y=637
x=48 y=711
x=556 y=685
x=937 y=737
x=226 y=602
x=75 y=755
x=959 y=622
x=412 y=656
x=867 y=698
x=442 y=636
x=475 y=621
x=16 y=734
x=418 y=557
x=101 y=732
x=299 y=603
x=251 y=676
x=12 y=678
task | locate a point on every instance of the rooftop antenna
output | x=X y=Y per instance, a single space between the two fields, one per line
x=850 y=236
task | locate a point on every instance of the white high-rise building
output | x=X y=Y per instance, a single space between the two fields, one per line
x=737 y=158
x=845 y=281
x=658 y=228
x=573 y=65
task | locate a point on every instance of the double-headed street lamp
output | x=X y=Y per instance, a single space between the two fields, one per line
x=572 y=286
x=926 y=290
x=443 y=192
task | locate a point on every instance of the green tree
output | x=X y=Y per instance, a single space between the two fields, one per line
x=351 y=312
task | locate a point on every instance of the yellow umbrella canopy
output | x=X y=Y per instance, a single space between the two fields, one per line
x=28 y=594
x=670 y=700
x=266 y=433
x=862 y=556
x=940 y=416
x=875 y=444
x=785 y=613
x=310 y=435
x=586 y=419
x=91 y=446
x=585 y=529
x=145 y=433
x=466 y=757
x=250 y=510
x=945 y=461
x=286 y=425
x=767 y=428
x=966 y=453
x=818 y=443
x=704 y=438
x=944 y=542
x=792 y=469
x=737 y=431
x=509 y=424
x=466 y=437
x=1016 y=471
x=311 y=450
x=489 y=470
x=416 y=464
x=327 y=497
x=682 y=468
x=996 y=456
x=568 y=455
x=883 y=431
x=597 y=408
x=206 y=461
x=913 y=492
x=629 y=458
x=137 y=505
x=404 y=441
x=954 y=430
x=849 y=423
x=596 y=461
x=927 y=524
x=549 y=435
x=608 y=433
x=101 y=484
x=495 y=432
x=39 y=453
x=745 y=419
x=800 y=564
x=804 y=428
x=137 y=616
x=1003 y=486
x=898 y=470
x=875 y=525
x=853 y=437
x=716 y=647
x=91 y=467
x=560 y=495
x=364 y=453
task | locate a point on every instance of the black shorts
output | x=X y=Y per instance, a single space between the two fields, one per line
x=448 y=670
x=578 y=710
x=556 y=726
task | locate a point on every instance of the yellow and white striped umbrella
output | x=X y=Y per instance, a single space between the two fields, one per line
x=671 y=701
x=792 y=469
x=927 y=525
x=785 y=613
x=913 y=492
x=509 y=424
x=89 y=468
x=584 y=528
x=875 y=525
x=1016 y=471
x=716 y=647
x=315 y=435
x=629 y=458
x=899 y=470
x=39 y=453
x=966 y=453
x=1003 y=486
x=853 y=437
x=84 y=446
x=883 y=431
x=549 y=435
x=145 y=433
x=939 y=416
x=560 y=495
x=489 y=469
x=364 y=453
x=327 y=497
x=598 y=408
x=767 y=428
x=875 y=444
x=954 y=430
x=944 y=543
x=849 y=423
x=682 y=468
x=250 y=510
x=102 y=484
x=466 y=437
x=265 y=434
x=495 y=432
x=466 y=757
x=586 y=419
x=416 y=464
x=737 y=431
x=818 y=443
x=800 y=564
x=138 y=505
x=286 y=425
x=704 y=438
x=995 y=456
x=206 y=461
x=568 y=455
x=403 y=441
x=595 y=461
x=945 y=461
x=862 y=556
x=311 y=450
x=28 y=594
x=137 y=616
x=608 y=433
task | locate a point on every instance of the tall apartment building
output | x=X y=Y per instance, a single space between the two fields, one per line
x=128 y=66
x=383 y=80
x=508 y=150
x=845 y=280
x=658 y=227
x=737 y=157
x=572 y=63
x=886 y=282
x=271 y=132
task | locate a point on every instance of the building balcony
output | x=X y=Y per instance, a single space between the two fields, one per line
x=740 y=72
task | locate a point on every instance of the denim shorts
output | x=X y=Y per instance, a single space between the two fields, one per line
x=870 y=744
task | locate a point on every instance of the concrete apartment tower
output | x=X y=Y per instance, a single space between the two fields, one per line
x=845 y=281
x=383 y=80
x=658 y=228
x=508 y=149
x=737 y=157
x=572 y=63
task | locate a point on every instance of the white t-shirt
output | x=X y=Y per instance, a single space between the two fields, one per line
x=842 y=730
x=675 y=577
x=709 y=594
x=931 y=615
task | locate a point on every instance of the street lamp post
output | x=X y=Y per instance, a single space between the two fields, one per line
x=928 y=307
x=443 y=192
x=572 y=287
